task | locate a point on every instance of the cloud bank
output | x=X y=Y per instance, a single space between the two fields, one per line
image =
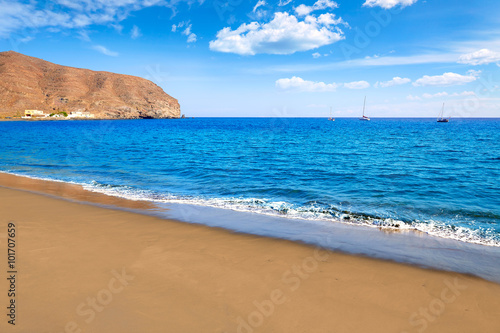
x=447 y=79
x=17 y=15
x=298 y=84
x=301 y=85
x=396 y=81
x=481 y=57
x=388 y=4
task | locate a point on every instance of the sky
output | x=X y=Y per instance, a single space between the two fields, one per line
x=283 y=58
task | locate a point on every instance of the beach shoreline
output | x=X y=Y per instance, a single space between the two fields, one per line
x=149 y=274
x=405 y=246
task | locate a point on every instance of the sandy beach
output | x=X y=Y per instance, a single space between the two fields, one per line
x=84 y=268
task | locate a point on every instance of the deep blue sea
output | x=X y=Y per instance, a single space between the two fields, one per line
x=439 y=178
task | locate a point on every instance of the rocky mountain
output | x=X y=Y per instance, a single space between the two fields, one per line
x=32 y=83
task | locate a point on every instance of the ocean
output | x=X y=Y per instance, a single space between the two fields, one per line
x=397 y=175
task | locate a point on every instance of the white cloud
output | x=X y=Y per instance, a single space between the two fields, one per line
x=18 y=15
x=299 y=84
x=104 y=50
x=357 y=85
x=191 y=37
x=396 y=81
x=284 y=2
x=26 y=39
x=259 y=13
x=388 y=4
x=464 y=93
x=135 y=33
x=283 y=35
x=84 y=35
x=413 y=98
x=259 y=4
x=316 y=55
x=481 y=57
x=303 y=10
x=440 y=95
x=179 y=25
x=447 y=79
x=117 y=27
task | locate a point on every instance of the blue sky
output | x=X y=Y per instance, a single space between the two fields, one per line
x=279 y=58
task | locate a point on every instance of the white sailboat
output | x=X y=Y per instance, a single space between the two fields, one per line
x=331 y=118
x=441 y=119
x=364 y=117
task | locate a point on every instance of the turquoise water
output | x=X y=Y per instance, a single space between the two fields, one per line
x=440 y=178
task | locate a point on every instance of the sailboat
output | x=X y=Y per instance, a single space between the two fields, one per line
x=331 y=118
x=364 y=117
x=441 y=119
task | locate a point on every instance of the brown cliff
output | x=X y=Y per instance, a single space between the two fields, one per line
x=32 y=83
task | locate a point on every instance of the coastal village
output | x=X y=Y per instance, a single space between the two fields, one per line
x=40 y=115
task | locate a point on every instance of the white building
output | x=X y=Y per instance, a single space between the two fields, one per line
x=33 y=113
x=80 y=114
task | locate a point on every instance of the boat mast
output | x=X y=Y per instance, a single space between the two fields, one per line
x=364 y=104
